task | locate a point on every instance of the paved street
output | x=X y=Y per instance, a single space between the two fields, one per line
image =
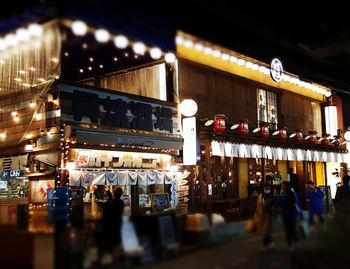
x=243 y=252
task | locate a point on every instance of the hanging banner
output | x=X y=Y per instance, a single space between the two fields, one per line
x=189 y=132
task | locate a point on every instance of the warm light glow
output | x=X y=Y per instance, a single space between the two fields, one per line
x=70 y=165
x=198 y=46
x=102 y=35
x=16 y=119
x=347 y=135
x=14 y=113
x=139 y=48
x=32 y=104
x=191 y=48
x=35 y=30
x=170 y=57
x=276 y=132
x=209 y=122
x=234 y=126
x=11 y=40
x=3 y=44
x=38 y=116
x=188 y=107
x=331 y=120
x=155 y=53
x=22 y=35
x=2 y=135
x=79 y=28
x=121 y=42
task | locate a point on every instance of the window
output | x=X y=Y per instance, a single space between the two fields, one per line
x=267 y=108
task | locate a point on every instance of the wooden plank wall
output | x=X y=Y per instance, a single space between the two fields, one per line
x=219 y=92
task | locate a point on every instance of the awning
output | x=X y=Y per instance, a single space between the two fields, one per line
x=226 y=149
x=128 y=139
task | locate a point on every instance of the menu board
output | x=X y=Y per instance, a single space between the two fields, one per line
x=160 y=202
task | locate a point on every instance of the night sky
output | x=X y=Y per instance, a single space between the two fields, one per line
x=310 y=37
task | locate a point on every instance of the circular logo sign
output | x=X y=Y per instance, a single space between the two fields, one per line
x=276 y=70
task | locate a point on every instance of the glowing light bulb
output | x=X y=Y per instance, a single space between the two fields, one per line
x=22 y=35
x=79 y=28
x=170 y=57
x=121 y=42
x=155 y=53
x=139 y=48
x=35 y=30
x=102 y=35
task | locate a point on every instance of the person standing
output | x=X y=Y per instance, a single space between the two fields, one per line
x=264 y=216
x=342 y=196
x=112 y=212
x=290 y=212
x=293 y=180
x=314 y=196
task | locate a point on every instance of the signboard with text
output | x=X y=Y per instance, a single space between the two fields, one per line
x=87 y=105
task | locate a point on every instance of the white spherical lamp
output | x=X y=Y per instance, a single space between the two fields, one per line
x=121 y=42
x=347 y=135
x=79 y=28
x=102 y=35
x=188 y=107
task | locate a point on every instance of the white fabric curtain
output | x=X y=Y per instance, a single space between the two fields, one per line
x=228 y=149
x=123 y=177
x=87 y=179
x=160 y=177
x=151 y=177
x=99 y=178
x=112 y=178
x=132 y=177
x=75 y=178
x=169 y=176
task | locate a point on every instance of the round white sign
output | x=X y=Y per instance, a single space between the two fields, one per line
x=276 y=70
x=188 y=107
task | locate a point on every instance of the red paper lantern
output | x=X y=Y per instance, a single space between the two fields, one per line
x=264 y=130
x=219 y=123
x=325 y=141
x=312 y=137
x=282 y=135
x=336 y=142
x=297 y=136
x=243 y=128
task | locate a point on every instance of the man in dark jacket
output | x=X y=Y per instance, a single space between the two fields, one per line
x=314 y=196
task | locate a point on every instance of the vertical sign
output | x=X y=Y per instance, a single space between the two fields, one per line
x=190 y=141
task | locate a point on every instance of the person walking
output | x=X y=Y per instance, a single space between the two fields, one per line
x=314 y=197
x=264 y=216
x=342 y=196
x=289 y=204
x=112 y=212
